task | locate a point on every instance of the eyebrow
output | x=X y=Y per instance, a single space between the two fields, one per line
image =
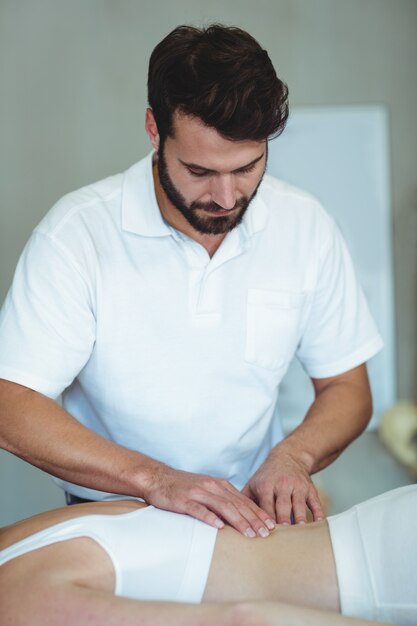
x=195 y=166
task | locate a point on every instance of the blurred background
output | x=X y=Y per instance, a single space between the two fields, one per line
x=72 y=103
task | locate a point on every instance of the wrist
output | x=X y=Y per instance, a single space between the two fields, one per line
x=143 y=477
x=298 y=452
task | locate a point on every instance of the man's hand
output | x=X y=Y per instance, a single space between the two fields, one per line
x=211 y=500
x=281 y=486
x=340 y=412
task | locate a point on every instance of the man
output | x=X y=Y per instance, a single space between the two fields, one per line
x=166 y=303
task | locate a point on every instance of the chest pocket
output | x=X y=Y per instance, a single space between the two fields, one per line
x=273 y=326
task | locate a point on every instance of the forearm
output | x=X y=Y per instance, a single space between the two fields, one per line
x=41 y=432
x=56 y=602
x=68 y=604
x=116 y=611
x=38 y=430
x=279 y=614
x=340 y=412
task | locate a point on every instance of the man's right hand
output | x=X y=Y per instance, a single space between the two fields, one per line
x=211 y=500
x=78 y=455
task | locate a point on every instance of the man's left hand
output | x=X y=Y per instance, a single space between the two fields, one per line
x=281 y=486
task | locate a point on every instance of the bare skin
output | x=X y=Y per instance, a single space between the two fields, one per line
x=287 y=579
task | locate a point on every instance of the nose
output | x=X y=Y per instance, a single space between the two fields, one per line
x=223 y=191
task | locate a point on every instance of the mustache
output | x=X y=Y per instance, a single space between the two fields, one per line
x=213 y=206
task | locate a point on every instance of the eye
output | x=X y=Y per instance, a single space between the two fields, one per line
x=197 y=174
x=247 y=170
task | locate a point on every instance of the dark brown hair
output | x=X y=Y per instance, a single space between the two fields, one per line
x=221 y=75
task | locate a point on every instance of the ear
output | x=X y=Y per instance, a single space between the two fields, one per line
x=152 y=129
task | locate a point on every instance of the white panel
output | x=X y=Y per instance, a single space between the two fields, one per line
x=341 y=156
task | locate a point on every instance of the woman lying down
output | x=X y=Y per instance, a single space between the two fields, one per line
x=122 y=563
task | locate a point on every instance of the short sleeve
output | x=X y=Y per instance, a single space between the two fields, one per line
x=340 y=333
x=47 y=323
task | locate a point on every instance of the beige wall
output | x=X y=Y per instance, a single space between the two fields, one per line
x=73 y=94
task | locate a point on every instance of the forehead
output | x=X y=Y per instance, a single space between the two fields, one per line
x=194 y=142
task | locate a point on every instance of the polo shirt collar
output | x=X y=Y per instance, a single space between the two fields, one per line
x=256 y=216
x=140 y=210
x=141 y=214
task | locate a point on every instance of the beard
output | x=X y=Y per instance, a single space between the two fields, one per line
x=202 y=223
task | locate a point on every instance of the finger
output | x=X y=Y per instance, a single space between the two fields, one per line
x=283 y=507
x=228 y=511
x=315 y=507
x=266 y=501
x=299 y=507
x=260 y=520
x=256 y=515
x=237 y=514
x=202 y=513
x=265 y=513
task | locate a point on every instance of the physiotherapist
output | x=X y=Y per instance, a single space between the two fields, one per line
x=164 y=305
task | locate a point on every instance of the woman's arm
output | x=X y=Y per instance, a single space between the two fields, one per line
x=49 y=601
x=279 y=614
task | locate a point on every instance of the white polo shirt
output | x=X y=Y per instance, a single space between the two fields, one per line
x=158 y=347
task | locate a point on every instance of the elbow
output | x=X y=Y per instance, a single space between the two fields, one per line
x=246 y=614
